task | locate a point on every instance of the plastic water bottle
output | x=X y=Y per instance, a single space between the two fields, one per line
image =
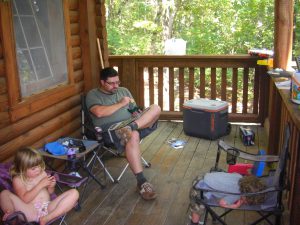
x=71 y=154
x=98 y=133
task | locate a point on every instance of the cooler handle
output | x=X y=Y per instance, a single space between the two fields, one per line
x=198 y=111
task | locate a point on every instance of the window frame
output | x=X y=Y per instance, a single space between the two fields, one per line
x=21 y=107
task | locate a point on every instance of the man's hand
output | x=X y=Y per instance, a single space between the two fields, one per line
x=107 y=110
x=125 y=101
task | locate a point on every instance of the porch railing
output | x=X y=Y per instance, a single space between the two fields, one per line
x=170 y=80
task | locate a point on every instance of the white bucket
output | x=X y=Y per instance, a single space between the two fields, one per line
x=175 y=46
x=295 y=97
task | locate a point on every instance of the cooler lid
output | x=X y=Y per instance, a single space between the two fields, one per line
x=205 y=104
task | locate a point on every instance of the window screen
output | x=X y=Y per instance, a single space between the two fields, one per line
x=40 y=44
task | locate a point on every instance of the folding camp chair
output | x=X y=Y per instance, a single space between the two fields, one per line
x=276 y=183
x=88 y=131
x=233 y=153
x=19 y=217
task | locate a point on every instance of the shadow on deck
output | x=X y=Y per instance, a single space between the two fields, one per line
x=171 y=173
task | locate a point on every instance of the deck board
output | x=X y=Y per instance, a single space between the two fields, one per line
x=171 y=173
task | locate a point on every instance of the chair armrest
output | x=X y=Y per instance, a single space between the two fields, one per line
x=246 y=155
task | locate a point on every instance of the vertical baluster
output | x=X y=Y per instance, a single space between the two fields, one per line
x=140 y=77
x=202 y=82
x=191 y=82
x=234 y=89
x=223 y=84
x=151 y=85
x=181 y=87
x=256 y=92
x=171 y=88
x=245 y=90
x=213 y=83
x=160 y=87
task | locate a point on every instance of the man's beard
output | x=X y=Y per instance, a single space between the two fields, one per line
x=113 y=91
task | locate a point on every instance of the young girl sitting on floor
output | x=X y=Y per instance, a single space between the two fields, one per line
x=225 y=182
x=32 y=190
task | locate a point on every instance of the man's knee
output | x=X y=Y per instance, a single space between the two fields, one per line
x=156 y=109
x=135 y=137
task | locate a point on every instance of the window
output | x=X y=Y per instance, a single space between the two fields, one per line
x=40 y=44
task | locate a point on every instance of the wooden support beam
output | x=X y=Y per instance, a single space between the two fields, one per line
x=283 y=34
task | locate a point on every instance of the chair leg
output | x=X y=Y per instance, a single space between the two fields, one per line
x=215 y=216
x=147 y=165
x=62 y=220
x=105 y=169
x=121 y=174
x=95 y=156
x=278 y=220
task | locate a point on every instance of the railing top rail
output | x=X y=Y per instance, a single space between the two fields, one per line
x=204 y=57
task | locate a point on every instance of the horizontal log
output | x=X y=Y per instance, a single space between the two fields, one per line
x=78 y=76
x=74 y=28
x=75 y=40
x=3 y=88
x=73 y=4
x=66 y=131
x=3 y=98
x=4 y=120
x=34 y=135
x=74 y=16
x=77 y=64
x=1 y=51
x=76 y=52
x=42 y=101
x=2 y=68
x=16 y=129
x=4 y=106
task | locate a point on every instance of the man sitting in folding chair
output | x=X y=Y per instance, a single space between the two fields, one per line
x=109 y=105
x=224 y=182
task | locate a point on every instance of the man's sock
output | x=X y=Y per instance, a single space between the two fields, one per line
x=140 y=178
x=133 y=126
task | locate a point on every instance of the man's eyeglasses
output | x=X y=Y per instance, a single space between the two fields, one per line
x=113 y=83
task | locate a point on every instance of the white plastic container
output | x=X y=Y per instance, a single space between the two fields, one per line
x=175 y=47
x=295 y=95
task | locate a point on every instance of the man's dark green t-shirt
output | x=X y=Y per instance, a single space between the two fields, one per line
x=97 y=97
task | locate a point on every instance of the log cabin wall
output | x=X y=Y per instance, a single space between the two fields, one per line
x=47 y=116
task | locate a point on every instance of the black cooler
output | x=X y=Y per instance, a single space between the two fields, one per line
x=205 y=118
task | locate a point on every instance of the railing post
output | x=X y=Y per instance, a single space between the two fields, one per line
x=263 y=93
x=274 y=118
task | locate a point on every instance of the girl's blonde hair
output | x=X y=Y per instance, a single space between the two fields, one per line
x=26 y=158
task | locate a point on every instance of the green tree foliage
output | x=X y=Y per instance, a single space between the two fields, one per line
x=208 y=26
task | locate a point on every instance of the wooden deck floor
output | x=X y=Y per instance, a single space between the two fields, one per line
x=171 y=173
